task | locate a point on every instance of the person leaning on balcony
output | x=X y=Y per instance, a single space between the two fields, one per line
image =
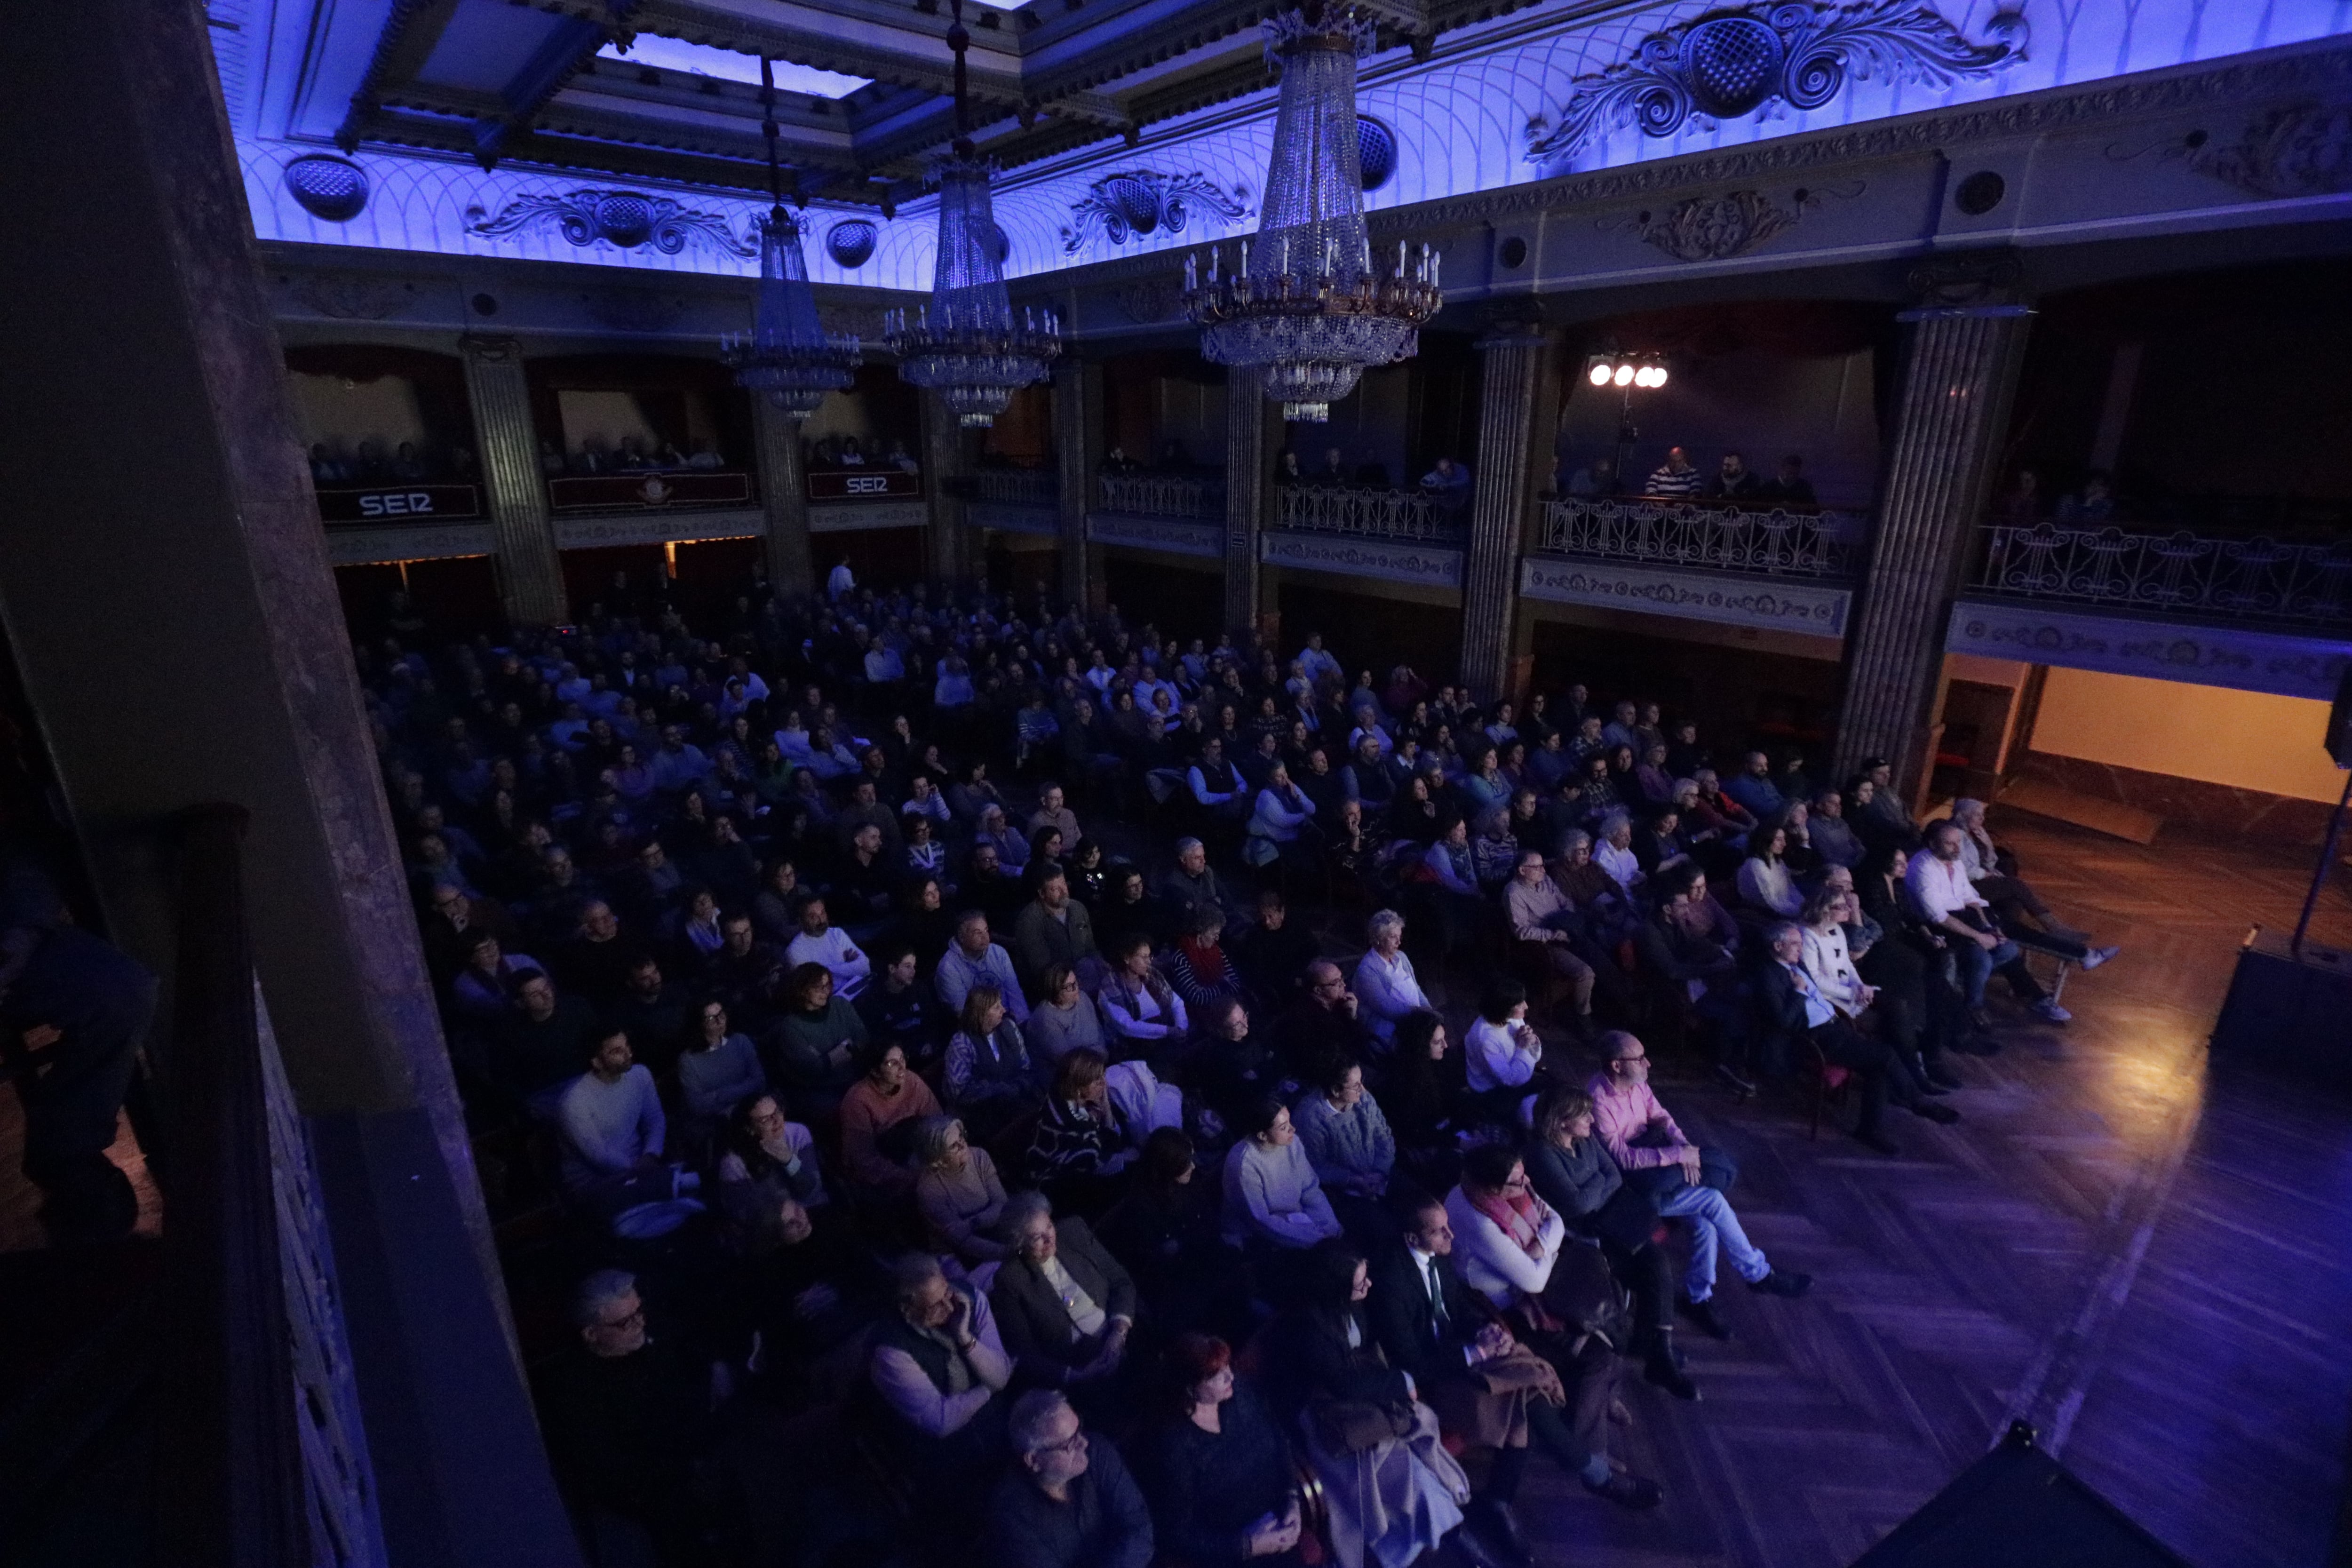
x=1789 y=486
x=1447 y=484
x=1595 y=480
x=1675 y=479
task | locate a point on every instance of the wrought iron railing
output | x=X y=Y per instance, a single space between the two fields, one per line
x=1773 y=543
x=1163 y=495
x=1017 y=486
x=2178 y=574
x=1370 y=514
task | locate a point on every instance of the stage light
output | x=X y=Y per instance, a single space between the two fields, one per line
x=1601 y=374
x=1658 y=376
x=1624 y=376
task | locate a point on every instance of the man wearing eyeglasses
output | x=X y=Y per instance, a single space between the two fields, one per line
x=1068 y=1501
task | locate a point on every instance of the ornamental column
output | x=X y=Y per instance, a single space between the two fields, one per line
x=530 y=574
x=783 y=494
x=1246 y=495
x=1077 y=449
x=943 y=448
x=1518 y=393
x=1966 y=345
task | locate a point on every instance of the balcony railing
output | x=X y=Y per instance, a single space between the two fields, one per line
x=1017 y=486
x=1163 y=495
x=1404 y=515
x=1773 y=543
x=652 y=489
x=2178 y=574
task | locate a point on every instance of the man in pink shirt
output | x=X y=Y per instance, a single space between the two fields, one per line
x=1657 y=1157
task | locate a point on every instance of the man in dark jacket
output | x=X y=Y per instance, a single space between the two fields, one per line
x=1064 y=1304
x=1068 y=1501
x=1792 y=1014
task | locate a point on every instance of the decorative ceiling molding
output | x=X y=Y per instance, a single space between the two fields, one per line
x=1718 y=227
x=2302 y=151
x=1767 y=60
x=350 y=299
x=1139 y=202
x=625 y=219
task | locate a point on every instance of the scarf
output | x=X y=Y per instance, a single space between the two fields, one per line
x=1520 y=1218
x=1208 y=962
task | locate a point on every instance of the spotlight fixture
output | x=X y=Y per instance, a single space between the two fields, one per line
x=1628 y=374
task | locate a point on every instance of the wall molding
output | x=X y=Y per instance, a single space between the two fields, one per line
x=846 y=517
x=431 y=541
x=1421 y=566
x=1011 y=519
x=1174 y=535
x=1763 y=601
x=2241 y=659
x=658 y=528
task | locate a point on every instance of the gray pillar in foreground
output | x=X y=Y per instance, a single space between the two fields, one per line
x=1513 y=362
x=1077 y=451
x=531 y=575
x=1959 y=379
x=783 y=494
x=1245 y=493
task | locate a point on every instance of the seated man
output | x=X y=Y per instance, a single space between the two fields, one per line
x=544 y=1044
x=1733 y=479
x=1190 y=888
x=1654 y=1155
x=2012 y=899
x=1935 y=883
x=1067 y=1501
x=1218 y=788
x=1064 y=1305
x=1689 y=953
x=609 y=1125
x=821 y=941
x=940 y=1368
x=1792 y=1011
x=1054 y=927
x=974 y=959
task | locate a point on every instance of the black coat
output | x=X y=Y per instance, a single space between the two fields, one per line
x=1403 y=1317
x=1029 y=1311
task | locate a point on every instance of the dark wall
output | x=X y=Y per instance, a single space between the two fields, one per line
x=1739 y=698
x=458 y=595
x=1368 y=633
x=1183 y=602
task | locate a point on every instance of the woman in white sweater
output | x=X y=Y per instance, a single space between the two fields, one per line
x=1506 y=1239
x=1272 y=1195
x=1827 y=960
x=1765 y=885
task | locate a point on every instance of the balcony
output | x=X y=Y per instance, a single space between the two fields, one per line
x=652 y=489
x=1201 y=499
x=2180 y=574
x=1709 y=536
x=1016 y=501
x=430 y=501
x=1398 y=517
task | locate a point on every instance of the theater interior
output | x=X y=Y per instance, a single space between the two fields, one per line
x=805 y=783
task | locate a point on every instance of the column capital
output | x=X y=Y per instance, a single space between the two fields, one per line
x=1503 y=332
x=1968 y=280
x=490 y=348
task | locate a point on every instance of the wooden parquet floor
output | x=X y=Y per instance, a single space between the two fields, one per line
x=2143 y=1257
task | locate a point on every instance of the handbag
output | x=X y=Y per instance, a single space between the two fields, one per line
x=1352 y=1425
x=1584 y=1294
x=1522 y=1369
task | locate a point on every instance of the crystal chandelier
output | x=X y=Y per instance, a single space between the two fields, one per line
x=966 y=345
x=1306 y=306
x=787 y=357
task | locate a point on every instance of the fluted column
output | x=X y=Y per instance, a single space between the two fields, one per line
x=943 y=474
x=1959 y=375
x=1078 y=449
x=792 y=564
x=1245 y=493
x=1518 y=381
x=530 y=577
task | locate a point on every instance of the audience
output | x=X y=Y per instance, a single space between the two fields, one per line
x=719 y=919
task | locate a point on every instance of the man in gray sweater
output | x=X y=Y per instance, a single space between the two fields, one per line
x=609 y=1123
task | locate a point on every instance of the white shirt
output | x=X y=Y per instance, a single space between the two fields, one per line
x=1827 y=960
x=840 y=582
x=1622 y=868
x=1500 y=1056
x=841 y=957
x=1939 y=888
x=1388 y=989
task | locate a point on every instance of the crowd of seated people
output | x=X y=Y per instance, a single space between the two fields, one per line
x=632 y=455
x=359 y=463
x=1679 y=478
x=967 y=1142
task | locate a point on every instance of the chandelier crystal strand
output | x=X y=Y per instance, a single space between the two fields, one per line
x=1308 y=307
x=967 y=345
x=788 y=358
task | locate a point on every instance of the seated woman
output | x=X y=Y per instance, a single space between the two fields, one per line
x=1064 y=1305
x=1349 y=1143
x=958 y=1193
x=1422 y=1094
x=1165 y=1231
x=878 y=1117
x=718 y=1070
x=1502 y=1054
x=1767 y=888
x=813 y=1049
x=1201 y=969
x=1275 y=1208
x=1218 y=1469
x=765 y=1161
x=1392 y=1491
x=1145 y=1016
x=1573 y=1172
x=989 y=1077
x=1078 y=1148
x=1064 y=1019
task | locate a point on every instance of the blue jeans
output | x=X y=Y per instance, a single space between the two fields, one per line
x=1713 y=1225
x=1979 y=964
